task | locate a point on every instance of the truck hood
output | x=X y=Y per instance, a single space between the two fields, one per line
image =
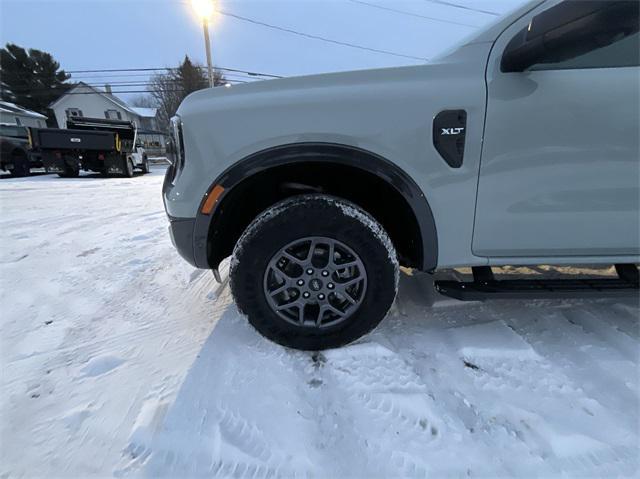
x=306 y=83
x=300 y=88
x=463 y=56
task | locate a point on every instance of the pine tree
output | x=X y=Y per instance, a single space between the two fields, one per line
x=31 y=79
x=189 y=77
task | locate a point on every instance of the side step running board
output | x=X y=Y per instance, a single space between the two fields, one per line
x=484 y=286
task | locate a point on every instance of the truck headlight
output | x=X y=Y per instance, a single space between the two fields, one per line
x=178 y=142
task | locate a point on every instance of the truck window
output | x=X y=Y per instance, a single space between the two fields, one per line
x=13 y=131
x=624 y=52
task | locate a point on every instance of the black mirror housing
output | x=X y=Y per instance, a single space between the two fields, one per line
x=568 y=30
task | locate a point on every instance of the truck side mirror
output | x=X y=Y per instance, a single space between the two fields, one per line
x=568 y=30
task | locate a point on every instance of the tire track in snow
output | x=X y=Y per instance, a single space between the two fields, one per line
x=608 y=337
x=204 y=434
x=539 y=395
x=592 y=381
x=467 y=406
x=120 y=331
x=390 y=413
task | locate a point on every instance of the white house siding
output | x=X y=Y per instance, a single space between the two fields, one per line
x=90 y=103
x=147 y=117
x=147 y=123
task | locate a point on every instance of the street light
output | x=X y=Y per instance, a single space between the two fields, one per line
x=204 y=9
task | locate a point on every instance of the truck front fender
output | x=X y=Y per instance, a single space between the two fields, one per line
x=208 y=256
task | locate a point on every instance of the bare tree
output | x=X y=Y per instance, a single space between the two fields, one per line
x=163 y=90
x=144 y=101
x=169 y=89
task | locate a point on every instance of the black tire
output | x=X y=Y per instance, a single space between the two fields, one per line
x=21 y=165
x=128 y=168
x=70 y=172
x=313 y=216
x=145 y=165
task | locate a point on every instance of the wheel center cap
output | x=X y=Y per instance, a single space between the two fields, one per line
x=315 y=284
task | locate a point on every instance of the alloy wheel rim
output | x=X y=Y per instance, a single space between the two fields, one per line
x=315 y=282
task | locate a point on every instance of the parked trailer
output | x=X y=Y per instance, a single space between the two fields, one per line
x=90 y=144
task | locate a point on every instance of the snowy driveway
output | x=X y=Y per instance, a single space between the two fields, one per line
x=119 y=359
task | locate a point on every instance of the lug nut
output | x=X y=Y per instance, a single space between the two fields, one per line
x=309 y=271
x=330 y=286
x=325 y=273
x=321 y=296
x=305 y=294
x=300 y=282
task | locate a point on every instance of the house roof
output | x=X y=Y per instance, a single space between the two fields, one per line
x=112 y=98
x=145 y=112
x=9 y=107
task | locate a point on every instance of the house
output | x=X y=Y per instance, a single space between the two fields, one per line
x=88 y=101
x=14 y=114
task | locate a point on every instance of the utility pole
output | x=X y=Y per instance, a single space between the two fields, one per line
x=205 y=9
x=207 y=45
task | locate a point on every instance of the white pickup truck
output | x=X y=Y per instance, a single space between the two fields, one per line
x=519 y=147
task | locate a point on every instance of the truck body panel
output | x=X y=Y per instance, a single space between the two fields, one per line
x=560 y=161
x=543 y=152
x=94 y=144
x=67 y=139
x=518 y=148
x=388 y=112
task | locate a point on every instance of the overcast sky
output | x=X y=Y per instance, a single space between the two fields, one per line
x=102 y=34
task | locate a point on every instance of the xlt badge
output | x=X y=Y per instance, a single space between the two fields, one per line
x=449 y=132
x=452 y=131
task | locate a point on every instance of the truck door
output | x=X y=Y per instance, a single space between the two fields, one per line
x=560 y=164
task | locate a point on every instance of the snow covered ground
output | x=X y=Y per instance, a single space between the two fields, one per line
x=118 y=359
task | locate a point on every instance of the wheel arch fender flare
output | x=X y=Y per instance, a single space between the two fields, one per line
x=20 y=152
x=346 y=155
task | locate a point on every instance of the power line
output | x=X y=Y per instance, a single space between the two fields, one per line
x=120 y=92
x=313 y=36
x=411 y=14
x=318 y=37
x=124 y=75
x=44 y=91
x=463 y=7
x=100 y=85
x=114 y=70
x=133 y=76
x=250 y=73
x=119 y=70
x=285 y=30
x=230 y=76
x=124 y=84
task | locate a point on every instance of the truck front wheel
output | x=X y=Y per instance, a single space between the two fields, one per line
x=70 y=171
x=314 y=272
x=128 y=168
x=21 y=165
